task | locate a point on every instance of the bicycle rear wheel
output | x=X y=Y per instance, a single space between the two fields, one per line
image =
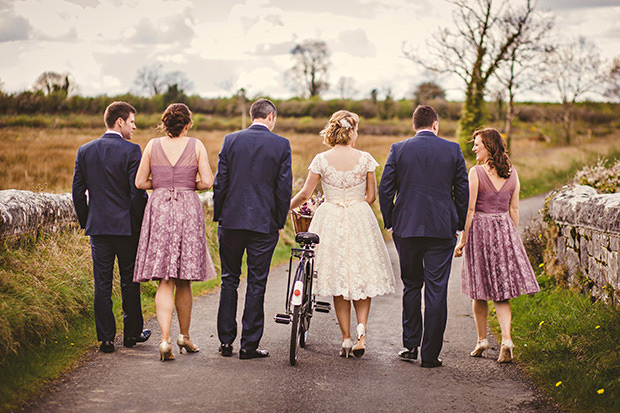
x=295 y=334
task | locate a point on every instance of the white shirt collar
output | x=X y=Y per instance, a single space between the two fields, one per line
x=113 y=131
x=257 y=122
x=427 y=130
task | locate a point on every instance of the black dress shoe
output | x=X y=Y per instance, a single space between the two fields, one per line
x=429 y=364
x=252 y=354
x=107 y=346
x=226 y=350
x=408 y=354
x=131 y=341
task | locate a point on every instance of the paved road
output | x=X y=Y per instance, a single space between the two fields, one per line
x=135 y=380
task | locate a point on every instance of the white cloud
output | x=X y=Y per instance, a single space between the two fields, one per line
x=223 y=45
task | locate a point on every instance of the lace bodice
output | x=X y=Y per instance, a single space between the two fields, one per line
x=343 y=187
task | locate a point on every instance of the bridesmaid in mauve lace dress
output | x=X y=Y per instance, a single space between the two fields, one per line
x=173 y=245
x=495 y=263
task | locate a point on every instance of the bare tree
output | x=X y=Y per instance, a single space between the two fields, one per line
x=573 y=69
x=484 y=31
x=49 y=82
x=521 y=68
x=150 y=79
x=346 y=87
x=309 y=74
x=613 y=80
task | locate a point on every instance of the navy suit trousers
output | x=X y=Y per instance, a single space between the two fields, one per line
x=425 y=262
x=259 y=248
x=105 y=248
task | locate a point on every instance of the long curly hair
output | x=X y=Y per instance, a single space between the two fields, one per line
x=498 y=156
x=340 y=128
x=174 y=119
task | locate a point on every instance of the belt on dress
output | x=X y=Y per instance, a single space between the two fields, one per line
x=173 y=193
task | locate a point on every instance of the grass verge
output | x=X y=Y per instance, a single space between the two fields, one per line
x=46 y=315
x=569 y=345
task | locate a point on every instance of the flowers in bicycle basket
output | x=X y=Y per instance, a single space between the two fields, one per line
x=310 y=206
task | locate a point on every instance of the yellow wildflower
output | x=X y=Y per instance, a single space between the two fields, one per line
x=558 y=384
x=542 y=264
x=600 y=391
x=541 y=323
x=597 y=327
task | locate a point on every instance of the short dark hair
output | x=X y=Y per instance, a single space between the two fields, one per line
x=262 y=108
x=424 y=116
x=117 y=110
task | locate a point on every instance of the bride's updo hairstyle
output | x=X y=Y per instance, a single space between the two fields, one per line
x=495 y=144
x=174 y=119
x=340 y=128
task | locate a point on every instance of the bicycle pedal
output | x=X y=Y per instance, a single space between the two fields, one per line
x=322 y=307
x=282 y=318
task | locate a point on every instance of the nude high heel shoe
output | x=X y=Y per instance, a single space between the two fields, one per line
x=482 y=347
x=346 y=347
x=505 y=353
x=184 y=342
x=165 y=351
x=359 y=348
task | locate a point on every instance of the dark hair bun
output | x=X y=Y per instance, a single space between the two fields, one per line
x=174 y=119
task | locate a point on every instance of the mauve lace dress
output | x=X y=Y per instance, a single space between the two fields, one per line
x=172 y=240
x=495 y=264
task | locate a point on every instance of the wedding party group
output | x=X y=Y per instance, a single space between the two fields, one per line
x=434 y=209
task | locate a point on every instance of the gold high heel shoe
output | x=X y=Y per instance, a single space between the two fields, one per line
x=359 y=348
x=346 y=347
x=165 y=351
x=482 y=347
x=505 y=353
x=184 y=342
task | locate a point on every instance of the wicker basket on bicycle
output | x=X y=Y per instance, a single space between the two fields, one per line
x=301 y=223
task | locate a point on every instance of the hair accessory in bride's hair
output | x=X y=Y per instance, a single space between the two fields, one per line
x=345 y=123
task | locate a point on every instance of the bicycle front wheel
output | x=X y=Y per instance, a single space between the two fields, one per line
x=295 y=336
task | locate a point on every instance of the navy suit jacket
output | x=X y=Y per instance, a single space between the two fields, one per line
x=428 y=177
x=253 y=184
x=106 y=168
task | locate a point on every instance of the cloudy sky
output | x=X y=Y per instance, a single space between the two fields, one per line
x=223 y=45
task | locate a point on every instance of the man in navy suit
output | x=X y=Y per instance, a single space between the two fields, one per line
x=428 y=177
x=110 y=208
x=251 y=195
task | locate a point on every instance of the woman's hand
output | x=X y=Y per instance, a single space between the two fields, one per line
x=458 y=251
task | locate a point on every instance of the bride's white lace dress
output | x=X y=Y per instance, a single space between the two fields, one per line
x=351 y=258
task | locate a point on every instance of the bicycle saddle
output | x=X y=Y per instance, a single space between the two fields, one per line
x=306 y=238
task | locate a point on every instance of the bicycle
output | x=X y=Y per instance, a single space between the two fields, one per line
x=300 y=302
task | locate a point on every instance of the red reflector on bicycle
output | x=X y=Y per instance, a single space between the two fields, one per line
x=297 y=292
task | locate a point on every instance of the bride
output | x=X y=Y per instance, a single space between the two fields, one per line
x=352 y=261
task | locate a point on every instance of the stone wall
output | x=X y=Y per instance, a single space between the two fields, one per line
x=588 y=242
x=28 y=214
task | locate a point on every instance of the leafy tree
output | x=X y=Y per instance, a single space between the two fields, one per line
x=308 y=76
x=427 y=91
x=573 y=69
x=484 y=31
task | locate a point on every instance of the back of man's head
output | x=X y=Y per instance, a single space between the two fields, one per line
x=262 y=108
x=423 y=117
x=117 y=110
